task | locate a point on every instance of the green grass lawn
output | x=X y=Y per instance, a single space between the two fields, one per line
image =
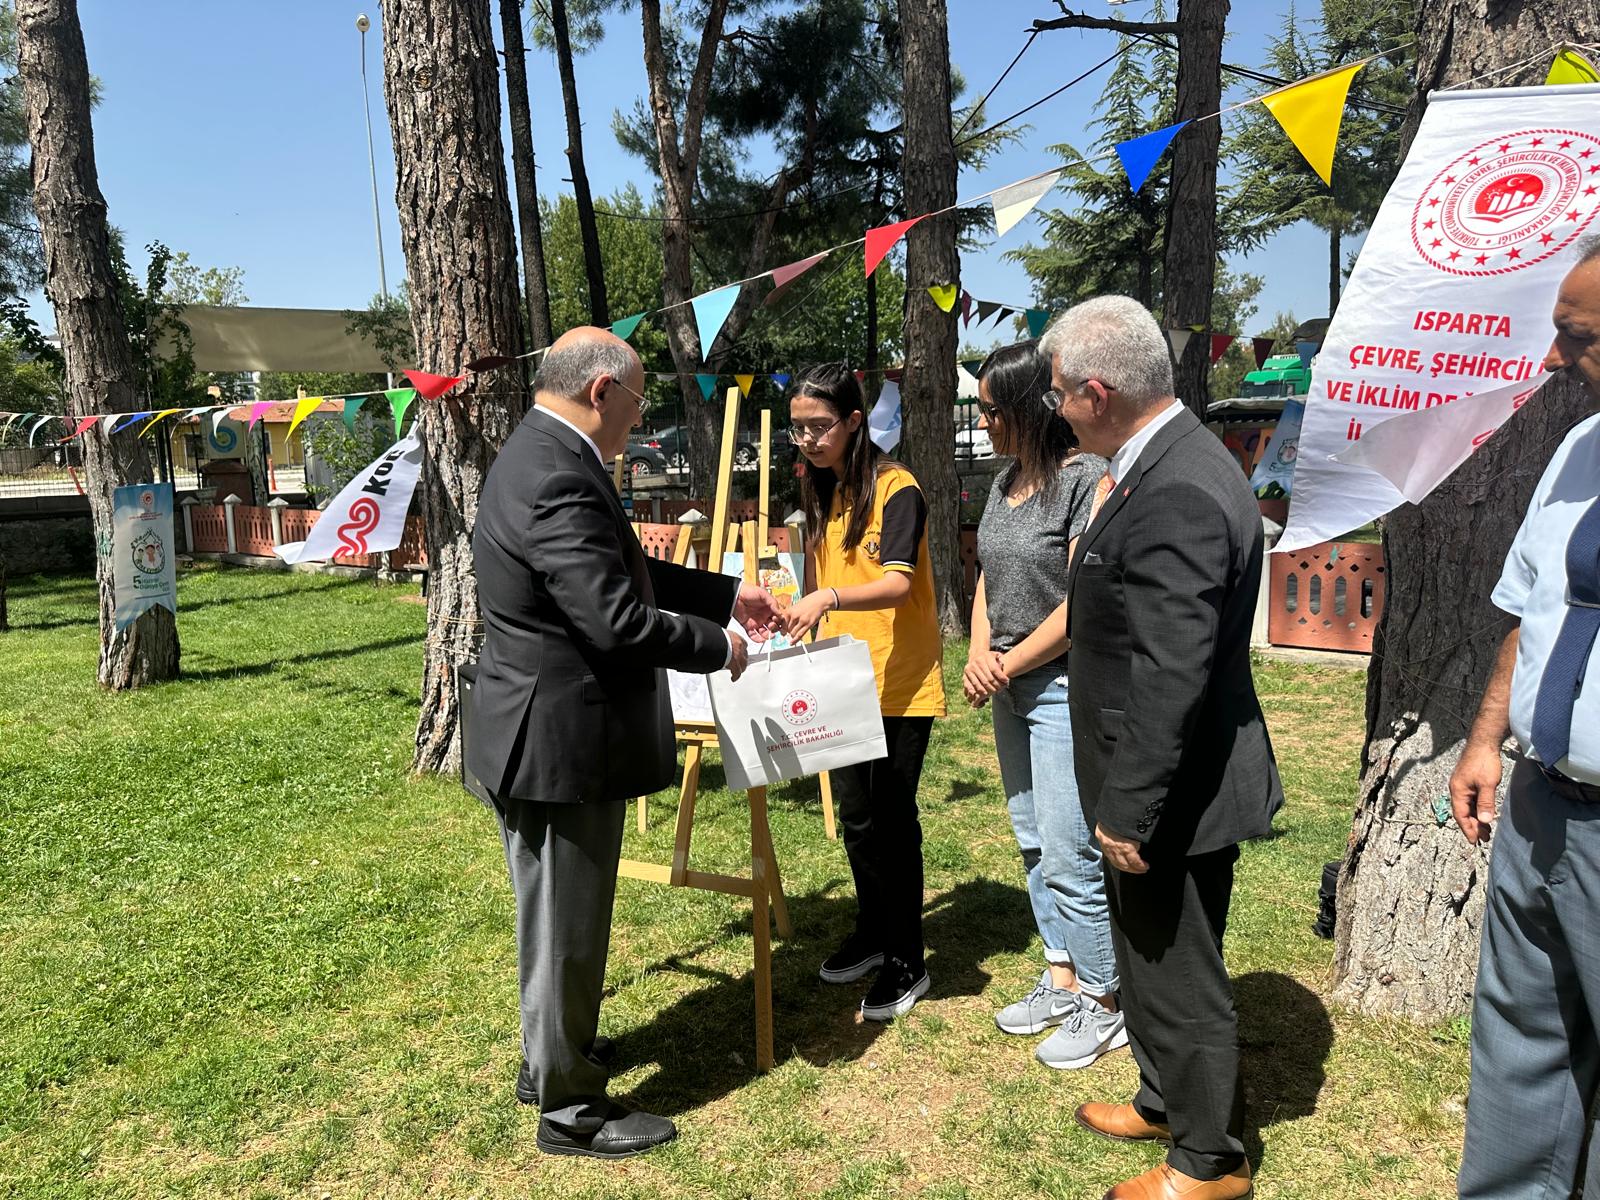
x=243 y=953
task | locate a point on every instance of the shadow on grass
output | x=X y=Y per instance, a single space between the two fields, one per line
x=246 y=670
x=705 y=1043
x=72 y=590
x=1285 y=1037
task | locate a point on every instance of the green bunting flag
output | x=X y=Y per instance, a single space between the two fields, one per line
x=1038 y=318
x=352 y=409
x=625 y=327
x=708 y=384
x=399 y=400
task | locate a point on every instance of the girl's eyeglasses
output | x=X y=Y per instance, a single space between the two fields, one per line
x=812 y=433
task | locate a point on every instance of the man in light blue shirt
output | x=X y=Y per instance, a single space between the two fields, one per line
x=1535 y=1051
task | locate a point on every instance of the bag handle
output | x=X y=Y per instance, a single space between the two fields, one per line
x=804 y=649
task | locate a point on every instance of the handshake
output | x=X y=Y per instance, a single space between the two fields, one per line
x=762 y=617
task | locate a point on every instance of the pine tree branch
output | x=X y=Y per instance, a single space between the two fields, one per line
x=1072 y=20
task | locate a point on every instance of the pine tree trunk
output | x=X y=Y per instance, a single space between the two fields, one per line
x=1191 y=262
x=928 y=388
x=1411 y=892
x=536 y=288
x=593 y=263
x=443 y=94
x=82 y=286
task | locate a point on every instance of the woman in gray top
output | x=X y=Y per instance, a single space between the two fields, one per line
x=1040 y=503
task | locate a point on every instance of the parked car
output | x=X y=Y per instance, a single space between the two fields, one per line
x=673 y=444
x=644 y=459
x=973 y=443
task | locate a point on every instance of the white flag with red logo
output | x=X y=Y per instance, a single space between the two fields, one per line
x=370 y=514
x=1450 y=299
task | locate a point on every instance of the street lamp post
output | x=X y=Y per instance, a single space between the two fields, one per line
x=363 y=24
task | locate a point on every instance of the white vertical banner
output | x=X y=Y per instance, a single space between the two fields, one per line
x=143 y=567
x=1450 y=299
x=370 y=514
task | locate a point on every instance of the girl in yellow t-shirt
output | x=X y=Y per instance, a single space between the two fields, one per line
x=868 y=557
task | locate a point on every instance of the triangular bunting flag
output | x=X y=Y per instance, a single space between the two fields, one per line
x=944 y=295
x=781 y=380
x=1219 y=345
x=431 y=387
x=399 y=400
x=745 y=382
x=157 y=419
x=625 y=327
x=1139 y=155
x=1310 y=114
x=133 y=419
x=1262 y=347
x=1571 y=67
x=257 y=409
x=861 y=377
x=352 y=409
x=971 y=365
x=708 y=384
x=966 y=308
x=302 y=410
x=490 y=362
x=109 y=419
x=1038 y=318
x=711 y=311
x=41 y=423
x=204 y=408
x=1013 y=203
x=782 y=277
x=987 y=309
x=1307 y=351
x=894 y=374
x=883 y=239
x=83 y=423
x=1179 y=338
x=1003 y=314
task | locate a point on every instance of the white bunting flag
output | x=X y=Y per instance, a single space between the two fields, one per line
x=1013 y=203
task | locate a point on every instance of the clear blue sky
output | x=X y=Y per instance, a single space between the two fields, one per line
x=235 y=132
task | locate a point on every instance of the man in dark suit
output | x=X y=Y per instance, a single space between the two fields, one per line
x=1173 y=761
x=571 y=716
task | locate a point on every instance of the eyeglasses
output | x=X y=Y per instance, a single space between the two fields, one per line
x=989 y=411
x=812 y=433
x=641 y=401
x=1053 y=398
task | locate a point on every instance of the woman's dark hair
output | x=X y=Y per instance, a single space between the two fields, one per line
x=836 y=385
x=1018 y=377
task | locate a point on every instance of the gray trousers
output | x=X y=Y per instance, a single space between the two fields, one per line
x=563 y=864
x=1535 y=1058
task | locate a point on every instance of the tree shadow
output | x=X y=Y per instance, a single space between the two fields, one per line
x=704 y=1044
x=1285 y=1037
x=247 y=670
x=78 y=593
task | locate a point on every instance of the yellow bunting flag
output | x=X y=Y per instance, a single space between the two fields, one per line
x=302 y=410
x=944 y=295
x=157 y=419
x=1571 y=67
x=1310 y=114
x=745 y=382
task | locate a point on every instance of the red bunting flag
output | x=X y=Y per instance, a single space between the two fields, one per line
x=784 y=276
x=83 y=423
x=884 y=239
x=431 y=387
x=1263 y=347
x=966 y=308
x=1219 y=345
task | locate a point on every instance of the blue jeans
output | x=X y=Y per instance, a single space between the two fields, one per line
x=1066 y=884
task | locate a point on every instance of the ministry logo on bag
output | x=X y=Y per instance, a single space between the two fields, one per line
x=1509 y=203
x=799 y=708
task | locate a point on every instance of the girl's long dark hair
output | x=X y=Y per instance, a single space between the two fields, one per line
x=836 y=385
x=1018 y=377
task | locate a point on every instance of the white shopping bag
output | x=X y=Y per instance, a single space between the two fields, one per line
x=798 y=712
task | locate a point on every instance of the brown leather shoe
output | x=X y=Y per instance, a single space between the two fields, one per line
x=1165 y=1183
x=1120 y=1123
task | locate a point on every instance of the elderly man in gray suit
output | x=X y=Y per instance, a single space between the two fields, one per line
x=1174 y=765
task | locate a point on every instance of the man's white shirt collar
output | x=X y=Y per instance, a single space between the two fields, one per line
x=1124 y=458
x=589 y=441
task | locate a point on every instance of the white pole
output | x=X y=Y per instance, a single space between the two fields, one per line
x=363 y=24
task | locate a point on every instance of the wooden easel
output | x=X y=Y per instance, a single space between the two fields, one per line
x=763 y=886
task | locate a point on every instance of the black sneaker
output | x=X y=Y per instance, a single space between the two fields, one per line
x=895 y=991
x=850 y=961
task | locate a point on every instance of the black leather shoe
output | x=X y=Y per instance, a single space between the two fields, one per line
x=623 y=1135
x=604 y=1049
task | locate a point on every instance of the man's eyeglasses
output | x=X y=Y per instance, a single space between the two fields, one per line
x=812 y=433
x=1053 y=398
x=641 y=401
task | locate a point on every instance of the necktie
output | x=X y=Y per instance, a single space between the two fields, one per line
x=1101 y=491
x=1563 y=671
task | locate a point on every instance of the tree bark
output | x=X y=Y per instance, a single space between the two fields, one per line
x=536 y=288
x=678 y=150
x=1191 y=258
x=443 y=93
x=1411 y=892
x=594 y=265
x=82 y=285
x=1335 y=268
x=928 y=388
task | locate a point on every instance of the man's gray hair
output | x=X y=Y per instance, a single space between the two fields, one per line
x=1588 y=249
x=1113 y=339
x=568 y=371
